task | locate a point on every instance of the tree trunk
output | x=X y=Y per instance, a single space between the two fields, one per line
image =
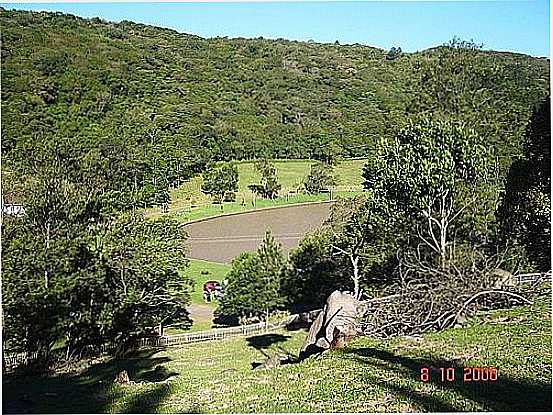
x=335 y=326
x=355 y=263
x=46 y=277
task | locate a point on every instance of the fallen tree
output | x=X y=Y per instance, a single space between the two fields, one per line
x=335 y=325
x=432 y=296
x=426 y=297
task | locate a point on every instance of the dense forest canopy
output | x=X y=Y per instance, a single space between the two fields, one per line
x=136 y=105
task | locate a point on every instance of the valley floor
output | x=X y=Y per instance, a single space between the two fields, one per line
x=189 y=204
x=367 y=376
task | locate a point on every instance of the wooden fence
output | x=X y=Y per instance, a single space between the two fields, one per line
x=12 y=360
x=533 y=278
x=210 y=335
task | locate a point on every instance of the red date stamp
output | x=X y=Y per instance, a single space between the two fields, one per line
x=449 y=374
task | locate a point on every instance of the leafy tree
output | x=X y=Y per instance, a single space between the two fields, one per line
x=345 y=254
x=269 y=186
x=434 y=173
x=393 y=53
x=71 y=273
x=254 y=281
x=320 y=177
x=221 y=181
x=365 y=233
x=143 y=259
x=525 y=211
x=313 y=273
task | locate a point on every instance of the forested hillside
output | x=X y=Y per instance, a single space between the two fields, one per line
x=136 y=109
x=100 y=120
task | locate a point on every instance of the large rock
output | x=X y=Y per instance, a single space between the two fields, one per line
x=122 y=378
x=335 y=326
x=273 y=361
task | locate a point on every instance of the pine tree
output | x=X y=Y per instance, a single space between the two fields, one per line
x=254 y=282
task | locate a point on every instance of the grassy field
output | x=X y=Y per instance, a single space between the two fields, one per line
x=189 y=203
x=201 y=272
x=367 y=376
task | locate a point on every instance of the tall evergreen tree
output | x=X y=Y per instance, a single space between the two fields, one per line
x=254 y=282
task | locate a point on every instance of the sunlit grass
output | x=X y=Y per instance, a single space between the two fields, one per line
x=367 y=376
x=202 y=271
x=188 y=203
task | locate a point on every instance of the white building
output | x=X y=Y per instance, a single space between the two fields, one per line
x=13 y=209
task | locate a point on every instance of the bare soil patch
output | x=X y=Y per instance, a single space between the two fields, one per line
x=223 y=238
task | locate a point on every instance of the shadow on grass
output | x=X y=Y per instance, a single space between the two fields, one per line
x=92 y=390
x=505 y=394
x=266 y=341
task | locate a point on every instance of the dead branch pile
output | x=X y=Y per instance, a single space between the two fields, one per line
x=429 y=296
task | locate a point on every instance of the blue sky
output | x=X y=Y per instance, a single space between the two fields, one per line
x=520 y=26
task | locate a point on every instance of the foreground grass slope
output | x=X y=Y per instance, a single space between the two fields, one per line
x=189 y=203
x=370 y=375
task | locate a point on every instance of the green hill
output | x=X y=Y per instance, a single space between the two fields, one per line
x=144 y=108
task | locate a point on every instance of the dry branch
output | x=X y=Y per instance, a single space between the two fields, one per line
x=430 y=296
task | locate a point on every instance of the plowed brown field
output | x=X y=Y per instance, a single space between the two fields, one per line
x=223 y=238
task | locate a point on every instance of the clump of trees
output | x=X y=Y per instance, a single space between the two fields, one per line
x=438 y=177
x=424 y=234
x=78 y=272
x=269 y=186
x=220 y=181
x=319 y=178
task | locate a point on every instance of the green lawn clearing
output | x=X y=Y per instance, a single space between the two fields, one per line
x=189 y=203
x=202 y=271
x=368 y=376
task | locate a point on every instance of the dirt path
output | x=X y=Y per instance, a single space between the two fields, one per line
x=201 y=312
x=223 y=238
